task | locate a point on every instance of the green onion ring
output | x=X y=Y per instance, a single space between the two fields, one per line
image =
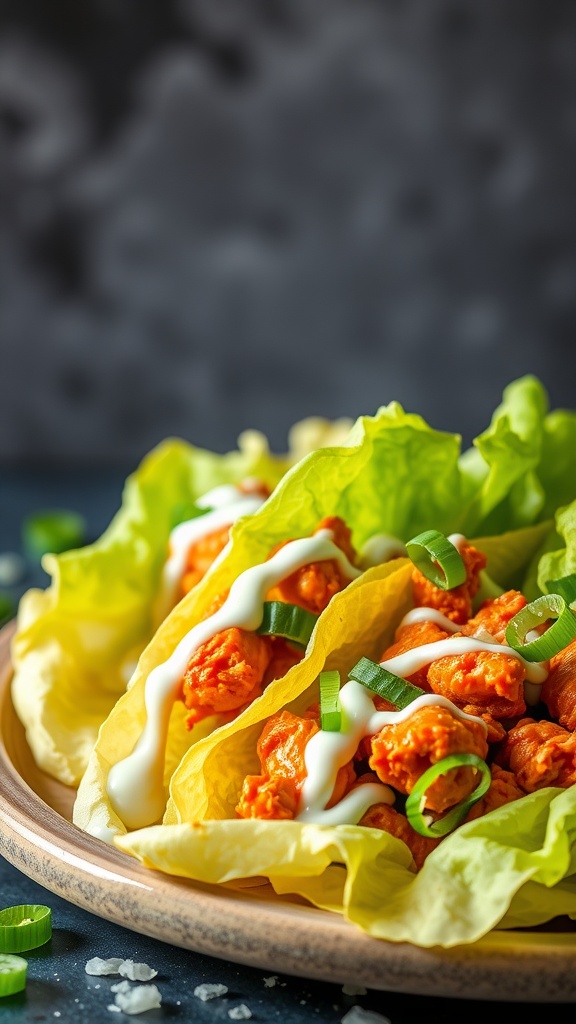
x=330 y=713
x=393 y=688
x=279 y=618
x=437 y=559
x=558 y=635
x=24 y=927
x=456 y=814
x=12 y=974
x=565 y=586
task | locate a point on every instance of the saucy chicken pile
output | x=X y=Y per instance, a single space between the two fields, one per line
x=526 y=746
x=232 y=668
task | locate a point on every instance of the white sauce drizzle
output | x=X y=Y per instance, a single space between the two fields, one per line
x=424 y=614
x=227 y=504
x=381 y=548
x=406 y=664
x=135 y=785
x=326 y=752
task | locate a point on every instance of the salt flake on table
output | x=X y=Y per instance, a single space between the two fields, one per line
x=97 y=966
x=358 y=1015
x=271 y=981
x=136 y=972
x=206 y=991
x=241 y=1012
x=137 y=999
x=121 y=986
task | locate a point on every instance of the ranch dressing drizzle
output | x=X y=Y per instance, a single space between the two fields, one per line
x=135 y=785
x=227 y=504
x=380 y=548
x=326 y=752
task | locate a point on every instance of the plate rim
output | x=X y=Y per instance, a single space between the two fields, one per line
x=270 y=933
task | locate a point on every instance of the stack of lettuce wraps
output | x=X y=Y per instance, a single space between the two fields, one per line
x=78 y=641
x=252 y=739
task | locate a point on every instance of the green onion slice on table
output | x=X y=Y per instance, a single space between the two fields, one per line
x=24 y=927
x=52 y=532
x=416 y=800
x=437 y=559
x=330 y=712
x=12 y=974
x=393 y=688
x=535 y=615
x=287 y=620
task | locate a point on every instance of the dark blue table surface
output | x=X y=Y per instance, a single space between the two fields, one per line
x=58 y=987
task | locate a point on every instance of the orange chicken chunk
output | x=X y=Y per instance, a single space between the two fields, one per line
x=402 y=752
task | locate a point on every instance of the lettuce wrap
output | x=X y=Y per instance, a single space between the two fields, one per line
x=76 y=640
x=512 y=867
x=394 y=477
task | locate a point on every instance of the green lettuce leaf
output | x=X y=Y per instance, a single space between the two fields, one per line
x=77 y=640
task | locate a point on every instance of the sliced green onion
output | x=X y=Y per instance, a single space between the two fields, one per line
x=12 y=974
x=416 y=800
x=565 y=586
x=330 y=713
x=437 y=559
x=7 y=608
x=24 y=927
x=558 y=635
x=52 y=531
x=393 y=688
x=185 y=511
x=288 y=620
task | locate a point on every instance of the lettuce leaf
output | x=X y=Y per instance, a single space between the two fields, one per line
x=76 y=639
x=495 y=869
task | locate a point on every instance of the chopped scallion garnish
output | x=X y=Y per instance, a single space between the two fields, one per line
x=416 y=799
x=393 y=688
x=535 y=615
x=24 y=927
x=330 y=713
x=288 y=620
x=12 y=974
x=437 y=559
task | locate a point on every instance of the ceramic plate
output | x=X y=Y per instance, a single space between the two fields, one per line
x=251 y=926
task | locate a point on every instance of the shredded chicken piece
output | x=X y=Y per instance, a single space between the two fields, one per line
x=314 y=585
x=276 y=792
x=559 y=690
x=225 y=673
x=384 y=817
x=494 y=615
x=455 y=604
x=488 y=681
x=540 y=754
x=503 y=790
x=413 y=635
x=402 y=752
x=201 y=554
x=496 y=731
x=204 y=551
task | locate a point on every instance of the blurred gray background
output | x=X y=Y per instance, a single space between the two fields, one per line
x=220 y=214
